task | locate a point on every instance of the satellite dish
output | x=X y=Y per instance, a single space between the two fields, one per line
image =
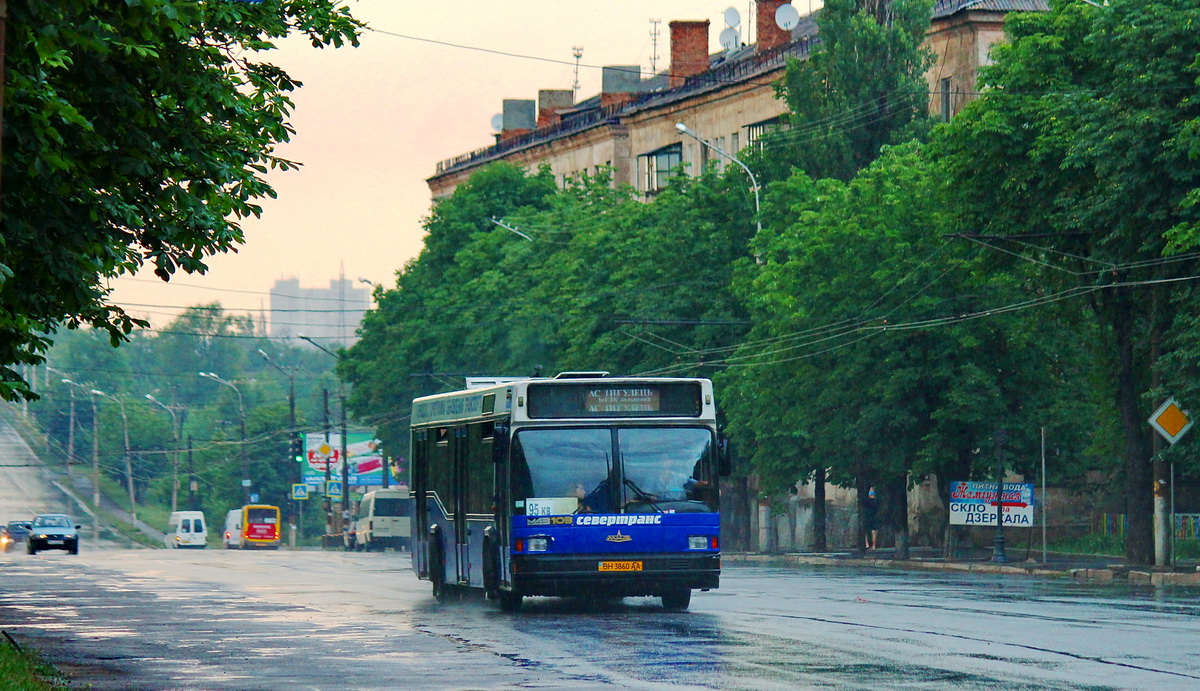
x=498 y=122
x=787 y=17
x=732 y=18
x=730 y=39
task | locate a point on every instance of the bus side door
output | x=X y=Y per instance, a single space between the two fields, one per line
x=462 y=536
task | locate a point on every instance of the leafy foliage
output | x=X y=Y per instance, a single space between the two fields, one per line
x=861 y=89
x=1081 y=152
x=135 y=133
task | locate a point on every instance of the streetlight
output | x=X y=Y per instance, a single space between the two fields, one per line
x=998 y=554
x=684 y=130
x=128 y=461
x=95 y=454
x=242 y=417
x=174 y=452
x=290 y=373
x=345 y=460
x=71 y=428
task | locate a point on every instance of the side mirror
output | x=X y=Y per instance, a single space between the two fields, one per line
x=78 y=527
x=724 y=457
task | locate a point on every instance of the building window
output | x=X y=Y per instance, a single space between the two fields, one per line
x=947 y=98
x=660 y=166
x=755 y=132
x=733 y=144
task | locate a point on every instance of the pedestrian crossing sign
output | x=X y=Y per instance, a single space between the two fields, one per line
x=333 y=489
x=300 y=492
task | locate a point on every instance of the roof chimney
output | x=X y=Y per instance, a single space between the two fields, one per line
x=769 y=34
x=550 y=102
x=689 y=50
x=618 y=84
x=519 y=118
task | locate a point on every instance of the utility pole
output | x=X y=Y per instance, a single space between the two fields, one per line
x=192 y=484
x=328 y=461
x=174 y=452
x=95 y=465
x=345 y=472
x=71 y=430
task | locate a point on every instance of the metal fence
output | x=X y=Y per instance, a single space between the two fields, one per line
x=1187 y=525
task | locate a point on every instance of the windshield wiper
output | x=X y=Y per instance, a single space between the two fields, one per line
x=646 y=497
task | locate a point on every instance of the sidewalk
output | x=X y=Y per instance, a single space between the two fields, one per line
x=1080 y=567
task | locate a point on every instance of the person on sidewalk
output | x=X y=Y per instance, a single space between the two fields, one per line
x=871 y=516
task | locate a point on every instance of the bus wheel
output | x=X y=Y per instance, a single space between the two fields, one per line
x=677 y=599
x=509 y=601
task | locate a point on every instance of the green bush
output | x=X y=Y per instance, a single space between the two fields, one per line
x=23 y=672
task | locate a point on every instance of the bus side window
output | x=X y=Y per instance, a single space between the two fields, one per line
x=440 y=478
x=480 y=468
x=420 y=451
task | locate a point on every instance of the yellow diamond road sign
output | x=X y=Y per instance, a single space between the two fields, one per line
x=1171 y=421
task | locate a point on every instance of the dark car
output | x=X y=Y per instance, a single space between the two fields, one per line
x=13 y=534
x=53 y=531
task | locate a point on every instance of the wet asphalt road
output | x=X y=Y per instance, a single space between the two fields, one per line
x=217 y=619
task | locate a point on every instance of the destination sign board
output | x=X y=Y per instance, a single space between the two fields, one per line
x=554 y=400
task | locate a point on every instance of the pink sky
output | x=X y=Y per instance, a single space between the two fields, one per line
x=372 y=123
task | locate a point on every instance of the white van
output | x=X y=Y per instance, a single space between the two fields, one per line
x=384 y=520
x=186 y=530
x=232 y=538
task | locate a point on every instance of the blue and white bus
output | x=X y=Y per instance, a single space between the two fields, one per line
x=580 y=485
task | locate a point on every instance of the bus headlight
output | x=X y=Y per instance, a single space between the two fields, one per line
x=697 y=542
x=538 y=544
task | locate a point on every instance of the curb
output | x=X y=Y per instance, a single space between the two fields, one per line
x=1086 y=575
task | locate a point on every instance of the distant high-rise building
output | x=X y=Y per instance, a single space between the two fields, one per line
x=328 y=315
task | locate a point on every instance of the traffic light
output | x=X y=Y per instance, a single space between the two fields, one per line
x=298 y=449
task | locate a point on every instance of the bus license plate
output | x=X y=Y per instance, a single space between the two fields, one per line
x=620 y=566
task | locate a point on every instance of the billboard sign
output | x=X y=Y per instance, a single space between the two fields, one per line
x=974 y=503
x=321 y=451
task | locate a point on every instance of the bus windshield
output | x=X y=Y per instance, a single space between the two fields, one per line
x=657 y=470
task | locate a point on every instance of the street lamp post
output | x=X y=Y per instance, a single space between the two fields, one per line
x=290 y=373
x=998 y=554
x=686 y=131
x=71 y=428
x=345 y=460
x=95 y=454
x=242 y=418
x=128 y=461
x=174 y=452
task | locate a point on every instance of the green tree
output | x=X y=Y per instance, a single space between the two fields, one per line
x=862 y=88
x=869 y=355
x=134 y=133
x=1080 y=157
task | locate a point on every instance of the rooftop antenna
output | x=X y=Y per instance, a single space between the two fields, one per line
x=654 y=45
x=577 y=51
x=730 y=37
x=498 y=122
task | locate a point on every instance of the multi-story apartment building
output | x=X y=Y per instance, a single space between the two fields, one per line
x=329 y=315
x=727 y=99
